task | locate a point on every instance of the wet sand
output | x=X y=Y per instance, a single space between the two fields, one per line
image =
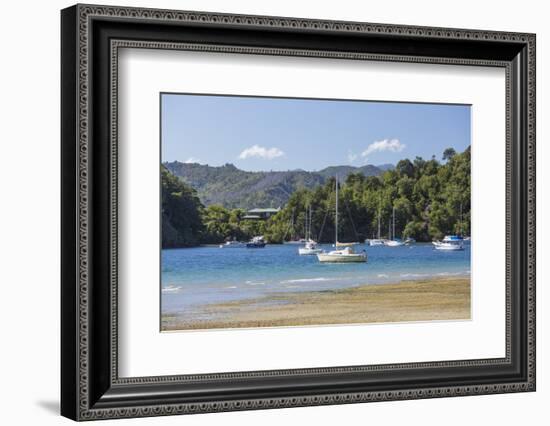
x=421 y=300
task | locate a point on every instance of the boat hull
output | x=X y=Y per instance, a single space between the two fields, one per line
x=448 y=247
x=255 y=245
x=341 y=258
x=393 y=244
x=309 y=252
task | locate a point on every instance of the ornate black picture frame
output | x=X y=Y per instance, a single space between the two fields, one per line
x=91 y=387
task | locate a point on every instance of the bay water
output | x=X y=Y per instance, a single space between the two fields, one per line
x=192 y=278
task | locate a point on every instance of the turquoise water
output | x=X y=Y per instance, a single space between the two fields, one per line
x=195 y=277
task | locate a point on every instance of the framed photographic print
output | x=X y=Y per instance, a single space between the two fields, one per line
x=324 y=227
x=263 y=212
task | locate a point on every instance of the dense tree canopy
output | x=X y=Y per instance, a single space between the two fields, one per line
x=187 y=223
x=429 y=200
x=182 y=223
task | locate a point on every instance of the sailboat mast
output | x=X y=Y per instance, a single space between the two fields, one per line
x=305 y=226
x=461 y=219
x=336 y=215
x=310 y=220
x=292 y=224
x=393 y=224
x=379 y=223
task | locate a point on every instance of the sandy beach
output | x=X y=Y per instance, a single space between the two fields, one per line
x=420 y=300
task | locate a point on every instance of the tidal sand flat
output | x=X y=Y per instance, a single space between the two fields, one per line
x=431 y=299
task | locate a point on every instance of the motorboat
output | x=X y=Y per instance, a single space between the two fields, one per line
x=344 y=255
x=450 y=243
x=256 y=242
x=375 y=242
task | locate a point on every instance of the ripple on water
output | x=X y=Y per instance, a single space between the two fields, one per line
x=171 y=289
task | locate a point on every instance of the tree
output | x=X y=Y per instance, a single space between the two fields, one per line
x=216 y=221
x=448 y=154
x=405 y=168
x=430 y=200
x=182 y=224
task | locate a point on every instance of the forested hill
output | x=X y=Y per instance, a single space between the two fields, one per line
x=426 y=199
x=234 y=188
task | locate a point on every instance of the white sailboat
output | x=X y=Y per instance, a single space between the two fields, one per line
x=310 y=247
x=291 y=227
x=376 y=241
x=345 y=255
x=393 y=242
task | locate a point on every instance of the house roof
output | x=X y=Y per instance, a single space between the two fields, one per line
x=268 y=210
x=251 y=216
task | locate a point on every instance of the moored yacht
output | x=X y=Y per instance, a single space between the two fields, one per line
x=344 y=255
x=310 y=246
x=256 y=242
x=450 y=243
x=375 y=242
x=394 y=243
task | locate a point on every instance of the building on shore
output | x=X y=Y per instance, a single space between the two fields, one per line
x=261 y=214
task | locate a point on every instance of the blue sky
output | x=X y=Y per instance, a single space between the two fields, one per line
x=287 y=134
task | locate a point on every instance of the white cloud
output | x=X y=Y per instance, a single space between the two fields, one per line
x=351 y=157
x=392 y=145
x=261 y=152
x=192 y=160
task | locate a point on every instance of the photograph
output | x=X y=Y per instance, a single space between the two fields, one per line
x=281 y=212
x=346 y=200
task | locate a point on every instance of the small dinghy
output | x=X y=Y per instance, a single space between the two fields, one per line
x=309 y=249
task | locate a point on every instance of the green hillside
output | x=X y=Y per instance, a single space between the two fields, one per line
x=430 y=199
x=234 y=188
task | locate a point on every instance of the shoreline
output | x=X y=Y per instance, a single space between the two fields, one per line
x=216 y=245
x=432 y=299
